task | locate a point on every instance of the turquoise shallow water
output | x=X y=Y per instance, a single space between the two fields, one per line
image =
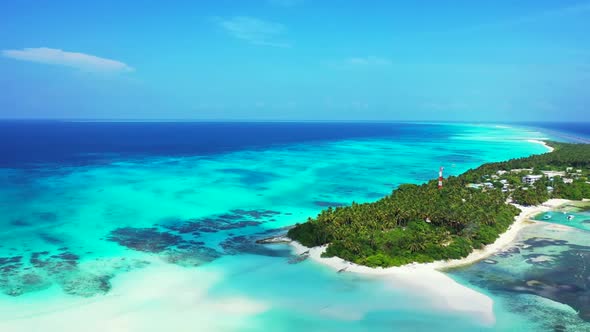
x=580 y=220
x=540 y=283
x=71 y=231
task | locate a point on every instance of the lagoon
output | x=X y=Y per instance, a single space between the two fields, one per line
x=136 y=236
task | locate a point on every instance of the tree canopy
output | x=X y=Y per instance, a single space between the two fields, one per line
x=420 y=223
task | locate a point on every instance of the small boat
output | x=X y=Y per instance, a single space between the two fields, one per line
x=570 y=217
x=547 y=216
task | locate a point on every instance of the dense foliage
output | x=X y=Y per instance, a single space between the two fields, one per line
x=576 y=156
x=420 y=223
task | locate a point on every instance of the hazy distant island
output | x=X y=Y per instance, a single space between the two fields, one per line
x=422 y=223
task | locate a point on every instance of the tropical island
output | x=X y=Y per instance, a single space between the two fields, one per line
x=423 y=223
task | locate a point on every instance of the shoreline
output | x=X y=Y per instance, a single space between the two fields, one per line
x=436 y=288
x=505 y=239
x=429 y=279
x=521 y=221
x=543 y=143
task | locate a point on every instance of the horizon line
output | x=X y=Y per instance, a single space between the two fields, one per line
x=189 y=120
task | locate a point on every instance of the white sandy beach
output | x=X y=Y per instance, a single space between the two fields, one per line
x=161 y=297
x=440 y=290
x=549 y=148
x=166 y=297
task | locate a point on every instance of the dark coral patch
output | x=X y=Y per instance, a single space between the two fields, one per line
x=42 y=270
x=9 y=266
x=10 y=260
x=172 y=247
x=32 y=279
x=46 y=216
x=296 y=259
x=176 y=240
x=191 y=255
x=256 y=214
x=209 y=225
x=144 y=239
x=36 y=260
x=544 y=242
x=247 y=245
x=51 y=239
x=509 y=252
x=25 y=283
x=19 y=276
x=250 y=177
x=86 y=284
x=54 y=264
x=561 y=276
x=66 y=256
x=234 y=219
x=20 y=223
x=229 y=216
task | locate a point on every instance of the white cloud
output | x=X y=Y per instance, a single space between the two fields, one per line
x=368 y=61
x=59 y=57
x=254 y=30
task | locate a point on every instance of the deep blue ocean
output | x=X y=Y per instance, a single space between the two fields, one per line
x=145 y=226
x=578 y=132
x=27 y=143
x=33 y=142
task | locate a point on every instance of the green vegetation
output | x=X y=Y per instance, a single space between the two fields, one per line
x=420 y=223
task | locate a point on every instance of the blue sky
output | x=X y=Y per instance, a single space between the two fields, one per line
x=296 y=60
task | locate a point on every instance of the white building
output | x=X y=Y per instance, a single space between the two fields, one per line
x=531 y=179
x=552 y=174
x=501 y=172
x=518 y=170
x=567 y=180
x=488 y=185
